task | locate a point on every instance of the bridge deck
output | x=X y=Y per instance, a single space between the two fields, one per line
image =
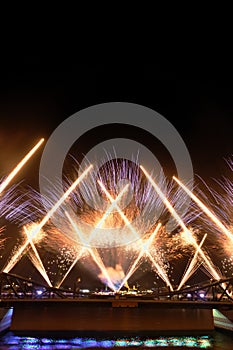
x=130 y=302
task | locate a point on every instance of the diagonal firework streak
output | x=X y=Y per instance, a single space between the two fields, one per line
x=113 y=205
x=93 y=232
x=40 y=266
x=189 y=270
x=127 y=222
x=178 y=219
x=206 y=210
x=20 y=252
x=18 y=167
x=143 y=250
x=161 y=272
x=95 y=255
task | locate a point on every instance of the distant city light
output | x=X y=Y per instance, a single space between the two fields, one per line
x=39 y=292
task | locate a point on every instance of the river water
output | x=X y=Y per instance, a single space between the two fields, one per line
x=217 y=341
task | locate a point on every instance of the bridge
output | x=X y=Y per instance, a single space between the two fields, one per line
x=15 y=288
x=36 y=307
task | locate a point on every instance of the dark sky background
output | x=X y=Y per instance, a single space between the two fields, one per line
x=38 y=93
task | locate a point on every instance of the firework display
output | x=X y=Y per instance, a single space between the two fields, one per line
x=117 y=222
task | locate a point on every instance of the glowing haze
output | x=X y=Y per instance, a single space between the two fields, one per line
x=114 y=223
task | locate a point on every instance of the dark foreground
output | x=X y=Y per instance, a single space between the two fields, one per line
x=217 y=341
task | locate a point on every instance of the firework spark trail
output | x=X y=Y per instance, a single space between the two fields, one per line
x=9 y=203
x=93 y=232
x=186 y=231
x=160 y=272
x=110 y=208
x=95 y=255
x=19 y=253
x=15 y=171
x=119 y=211
x=144 y=195
x=145 y=247
x=206 y=210
x=39 y=265
x=144 y=200
x=110 y=174
x=190 y=269
x=70 y=268
x=159 y=269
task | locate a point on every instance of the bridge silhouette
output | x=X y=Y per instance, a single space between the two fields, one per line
x=210 y=293
x=34 y=306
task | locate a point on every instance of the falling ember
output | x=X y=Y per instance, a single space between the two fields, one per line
x=19 y=253
x=206 y=210
x=15 y=171
x=160 y=271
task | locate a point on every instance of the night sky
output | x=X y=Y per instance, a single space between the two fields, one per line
x=38 y=93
